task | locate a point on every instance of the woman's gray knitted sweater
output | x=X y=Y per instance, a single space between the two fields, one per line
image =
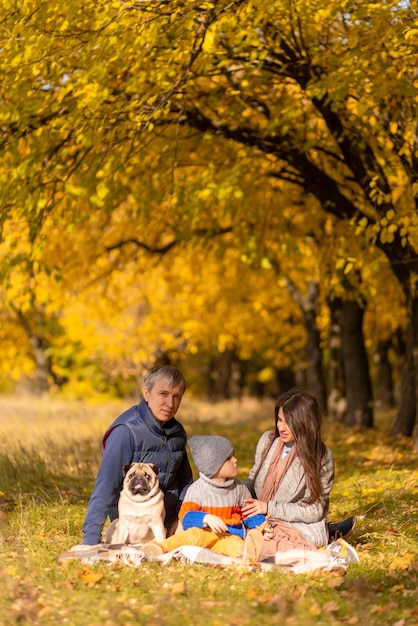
x=287 y=505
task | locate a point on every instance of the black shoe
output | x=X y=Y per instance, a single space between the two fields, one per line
x=343 y=529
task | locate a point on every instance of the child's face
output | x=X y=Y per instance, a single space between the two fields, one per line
x=229 y=469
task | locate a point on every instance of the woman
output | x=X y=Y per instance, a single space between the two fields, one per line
x=292 y=476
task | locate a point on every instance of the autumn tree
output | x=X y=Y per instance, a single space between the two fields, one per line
x=292 y=81
x=294 y=85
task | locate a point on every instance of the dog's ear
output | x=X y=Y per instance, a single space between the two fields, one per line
x=154 y=468
x=126 y=468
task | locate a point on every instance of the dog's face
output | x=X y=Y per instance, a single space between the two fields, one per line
x=140 y=507
x=140 y=481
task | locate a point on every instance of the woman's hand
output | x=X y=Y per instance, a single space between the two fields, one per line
x=215 y=523
x=253 y=507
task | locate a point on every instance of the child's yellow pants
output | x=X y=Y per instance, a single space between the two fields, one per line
x=222 y=543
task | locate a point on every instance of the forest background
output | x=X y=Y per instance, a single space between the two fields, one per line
x=226 y=186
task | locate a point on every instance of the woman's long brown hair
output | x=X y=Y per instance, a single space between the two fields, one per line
x=303 y=416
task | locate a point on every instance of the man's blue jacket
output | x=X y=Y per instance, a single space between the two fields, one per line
x=137 y=437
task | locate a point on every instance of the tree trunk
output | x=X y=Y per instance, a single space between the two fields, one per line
x=385 y=397
x=40 y=383
x=285 y=379
x=315 y=380
x=414 y=324
x=407 y=406
x=337 y=401
x=356 y=366
x=220 y=370
x=315 y=374
x=43 y=366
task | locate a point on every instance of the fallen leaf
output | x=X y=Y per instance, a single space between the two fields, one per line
x=145 y=609
x=179 y=588
x=90 y=577
x=279 y=600
x=402 y=562
x=315 y=609
x=333 y=583
x=266 y=598
x=252 y=592
x=197 y=573
x=330 y=607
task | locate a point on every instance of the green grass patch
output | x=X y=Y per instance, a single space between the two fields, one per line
x=49 y=455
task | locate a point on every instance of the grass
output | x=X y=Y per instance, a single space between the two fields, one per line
x=49 y=455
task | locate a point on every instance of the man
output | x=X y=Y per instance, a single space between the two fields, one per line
x=145 y=433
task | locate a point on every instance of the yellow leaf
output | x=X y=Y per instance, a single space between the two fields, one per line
x=16 y=60
x=205 y=193
x=90 y=577
x=315 y=609
x=198 y=573
x=179 y=588
x=76 y=191
x=411 y=33
x=10 y=570
x=102 y=190
x=402 y=562
x=209 y=42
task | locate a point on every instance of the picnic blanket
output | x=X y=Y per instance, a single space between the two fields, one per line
x=296 y=561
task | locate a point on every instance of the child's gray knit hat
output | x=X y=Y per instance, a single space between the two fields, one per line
x=210 y=452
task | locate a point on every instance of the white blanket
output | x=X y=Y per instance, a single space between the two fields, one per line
x=297 y=561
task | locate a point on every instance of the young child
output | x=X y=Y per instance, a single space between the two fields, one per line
x=211 y=515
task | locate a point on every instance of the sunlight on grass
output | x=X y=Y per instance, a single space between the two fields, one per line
x=30 y=422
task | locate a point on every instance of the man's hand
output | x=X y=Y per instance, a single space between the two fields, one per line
x=215 y=523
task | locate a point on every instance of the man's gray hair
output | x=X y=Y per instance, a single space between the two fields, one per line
x=169 y=374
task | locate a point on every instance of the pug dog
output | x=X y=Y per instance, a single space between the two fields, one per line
x=141 y=507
